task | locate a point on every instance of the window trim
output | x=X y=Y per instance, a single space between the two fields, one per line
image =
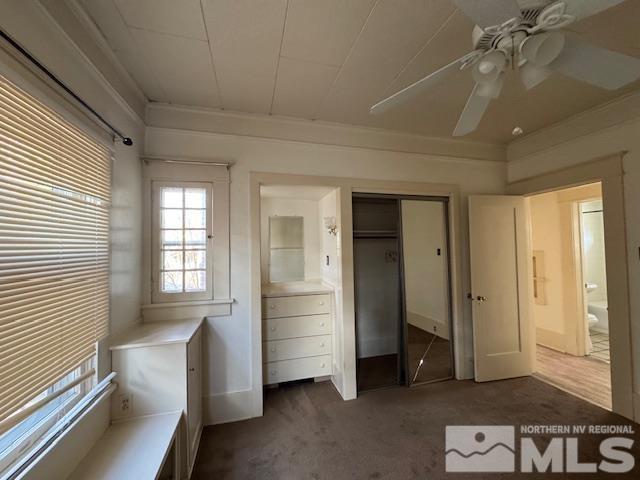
x=165 y=297
x=31 y=439
x=175 y=171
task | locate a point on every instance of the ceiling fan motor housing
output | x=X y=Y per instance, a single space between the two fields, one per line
x=496 y=36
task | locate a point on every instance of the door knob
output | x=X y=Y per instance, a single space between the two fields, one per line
x=480 y=298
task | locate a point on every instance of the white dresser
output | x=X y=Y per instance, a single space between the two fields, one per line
x=297 y=325
x=159 y=371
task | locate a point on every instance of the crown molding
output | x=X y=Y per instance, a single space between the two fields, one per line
x=615 y=113
x=215 y=121
x=133 y=111
x=85 y=19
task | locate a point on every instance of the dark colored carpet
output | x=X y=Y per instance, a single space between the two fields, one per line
x=308 y=432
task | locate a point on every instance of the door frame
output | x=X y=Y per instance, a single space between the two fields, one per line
x=344 y=377
x=609 y=172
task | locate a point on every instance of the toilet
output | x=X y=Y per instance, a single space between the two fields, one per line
x=591 y=320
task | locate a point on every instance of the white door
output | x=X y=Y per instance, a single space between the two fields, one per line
x=501 y=287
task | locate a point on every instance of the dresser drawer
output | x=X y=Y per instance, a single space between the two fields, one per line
x=287 y=370
x=296 y=348
x=293 y=327
x=276 y=307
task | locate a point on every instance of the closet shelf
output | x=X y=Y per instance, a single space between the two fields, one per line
x=375 y=233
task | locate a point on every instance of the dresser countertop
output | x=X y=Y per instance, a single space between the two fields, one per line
x=289 y=289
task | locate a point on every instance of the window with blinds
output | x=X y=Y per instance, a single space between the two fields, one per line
x=55 y=184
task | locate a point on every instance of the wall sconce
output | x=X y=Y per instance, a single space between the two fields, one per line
x=330 y=225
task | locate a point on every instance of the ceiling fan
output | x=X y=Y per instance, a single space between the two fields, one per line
x=528 y=35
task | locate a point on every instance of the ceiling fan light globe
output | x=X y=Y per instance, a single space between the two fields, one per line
x=485 y=67
x=543 y=48
x=488 y=69
x=533 y=75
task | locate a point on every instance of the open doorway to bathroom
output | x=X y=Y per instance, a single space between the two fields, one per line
x=570 y=292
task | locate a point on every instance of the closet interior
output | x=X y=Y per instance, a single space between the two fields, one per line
x=402 y=290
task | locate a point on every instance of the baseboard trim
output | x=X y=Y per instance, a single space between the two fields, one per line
x=227 y=407
x=551 y=339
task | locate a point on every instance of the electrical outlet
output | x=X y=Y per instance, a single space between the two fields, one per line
x=125 y=403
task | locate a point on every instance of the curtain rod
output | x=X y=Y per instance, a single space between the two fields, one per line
x=148 y=159
x=126 y=140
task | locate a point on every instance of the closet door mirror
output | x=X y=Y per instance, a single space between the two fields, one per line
x=286 y=249
x=426 y=288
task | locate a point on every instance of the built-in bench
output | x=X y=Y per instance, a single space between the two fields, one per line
x=141 y=448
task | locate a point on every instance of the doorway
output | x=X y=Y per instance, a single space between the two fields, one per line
x=570 y=312
x=402 y=290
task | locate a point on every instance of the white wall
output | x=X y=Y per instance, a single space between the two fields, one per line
x=329 y=274
x=309 y=210
x=546 y=236
x=425 y=272
x=533 y=157
x=594 y=258
x=227 y=339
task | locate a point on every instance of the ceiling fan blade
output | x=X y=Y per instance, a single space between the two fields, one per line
x=596 y=65
x=417 y=87
x=472 y=113
x=533 y=75
x=585 y=8
x=487 y=13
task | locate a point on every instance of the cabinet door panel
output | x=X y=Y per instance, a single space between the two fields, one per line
x=194 y=393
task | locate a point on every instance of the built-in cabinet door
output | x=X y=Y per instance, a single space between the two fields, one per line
x=194 y=393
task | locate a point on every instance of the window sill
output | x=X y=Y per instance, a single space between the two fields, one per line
x=155 y=312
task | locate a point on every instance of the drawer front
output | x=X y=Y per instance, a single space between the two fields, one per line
x=287 y=370
x=293 y=327
x=277 y=307
x=296 y=348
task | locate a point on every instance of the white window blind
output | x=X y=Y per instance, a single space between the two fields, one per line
x=54 y=246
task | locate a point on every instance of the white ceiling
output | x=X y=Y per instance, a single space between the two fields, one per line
x=332 y=59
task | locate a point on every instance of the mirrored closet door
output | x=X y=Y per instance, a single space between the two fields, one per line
x=426 y=291
x=402 y=293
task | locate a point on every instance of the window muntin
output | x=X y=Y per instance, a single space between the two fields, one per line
x=183 y=216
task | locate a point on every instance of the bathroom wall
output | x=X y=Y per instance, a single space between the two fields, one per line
x=593 y=245
x=558 y=310
x=546 y=238
x=309 y=210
